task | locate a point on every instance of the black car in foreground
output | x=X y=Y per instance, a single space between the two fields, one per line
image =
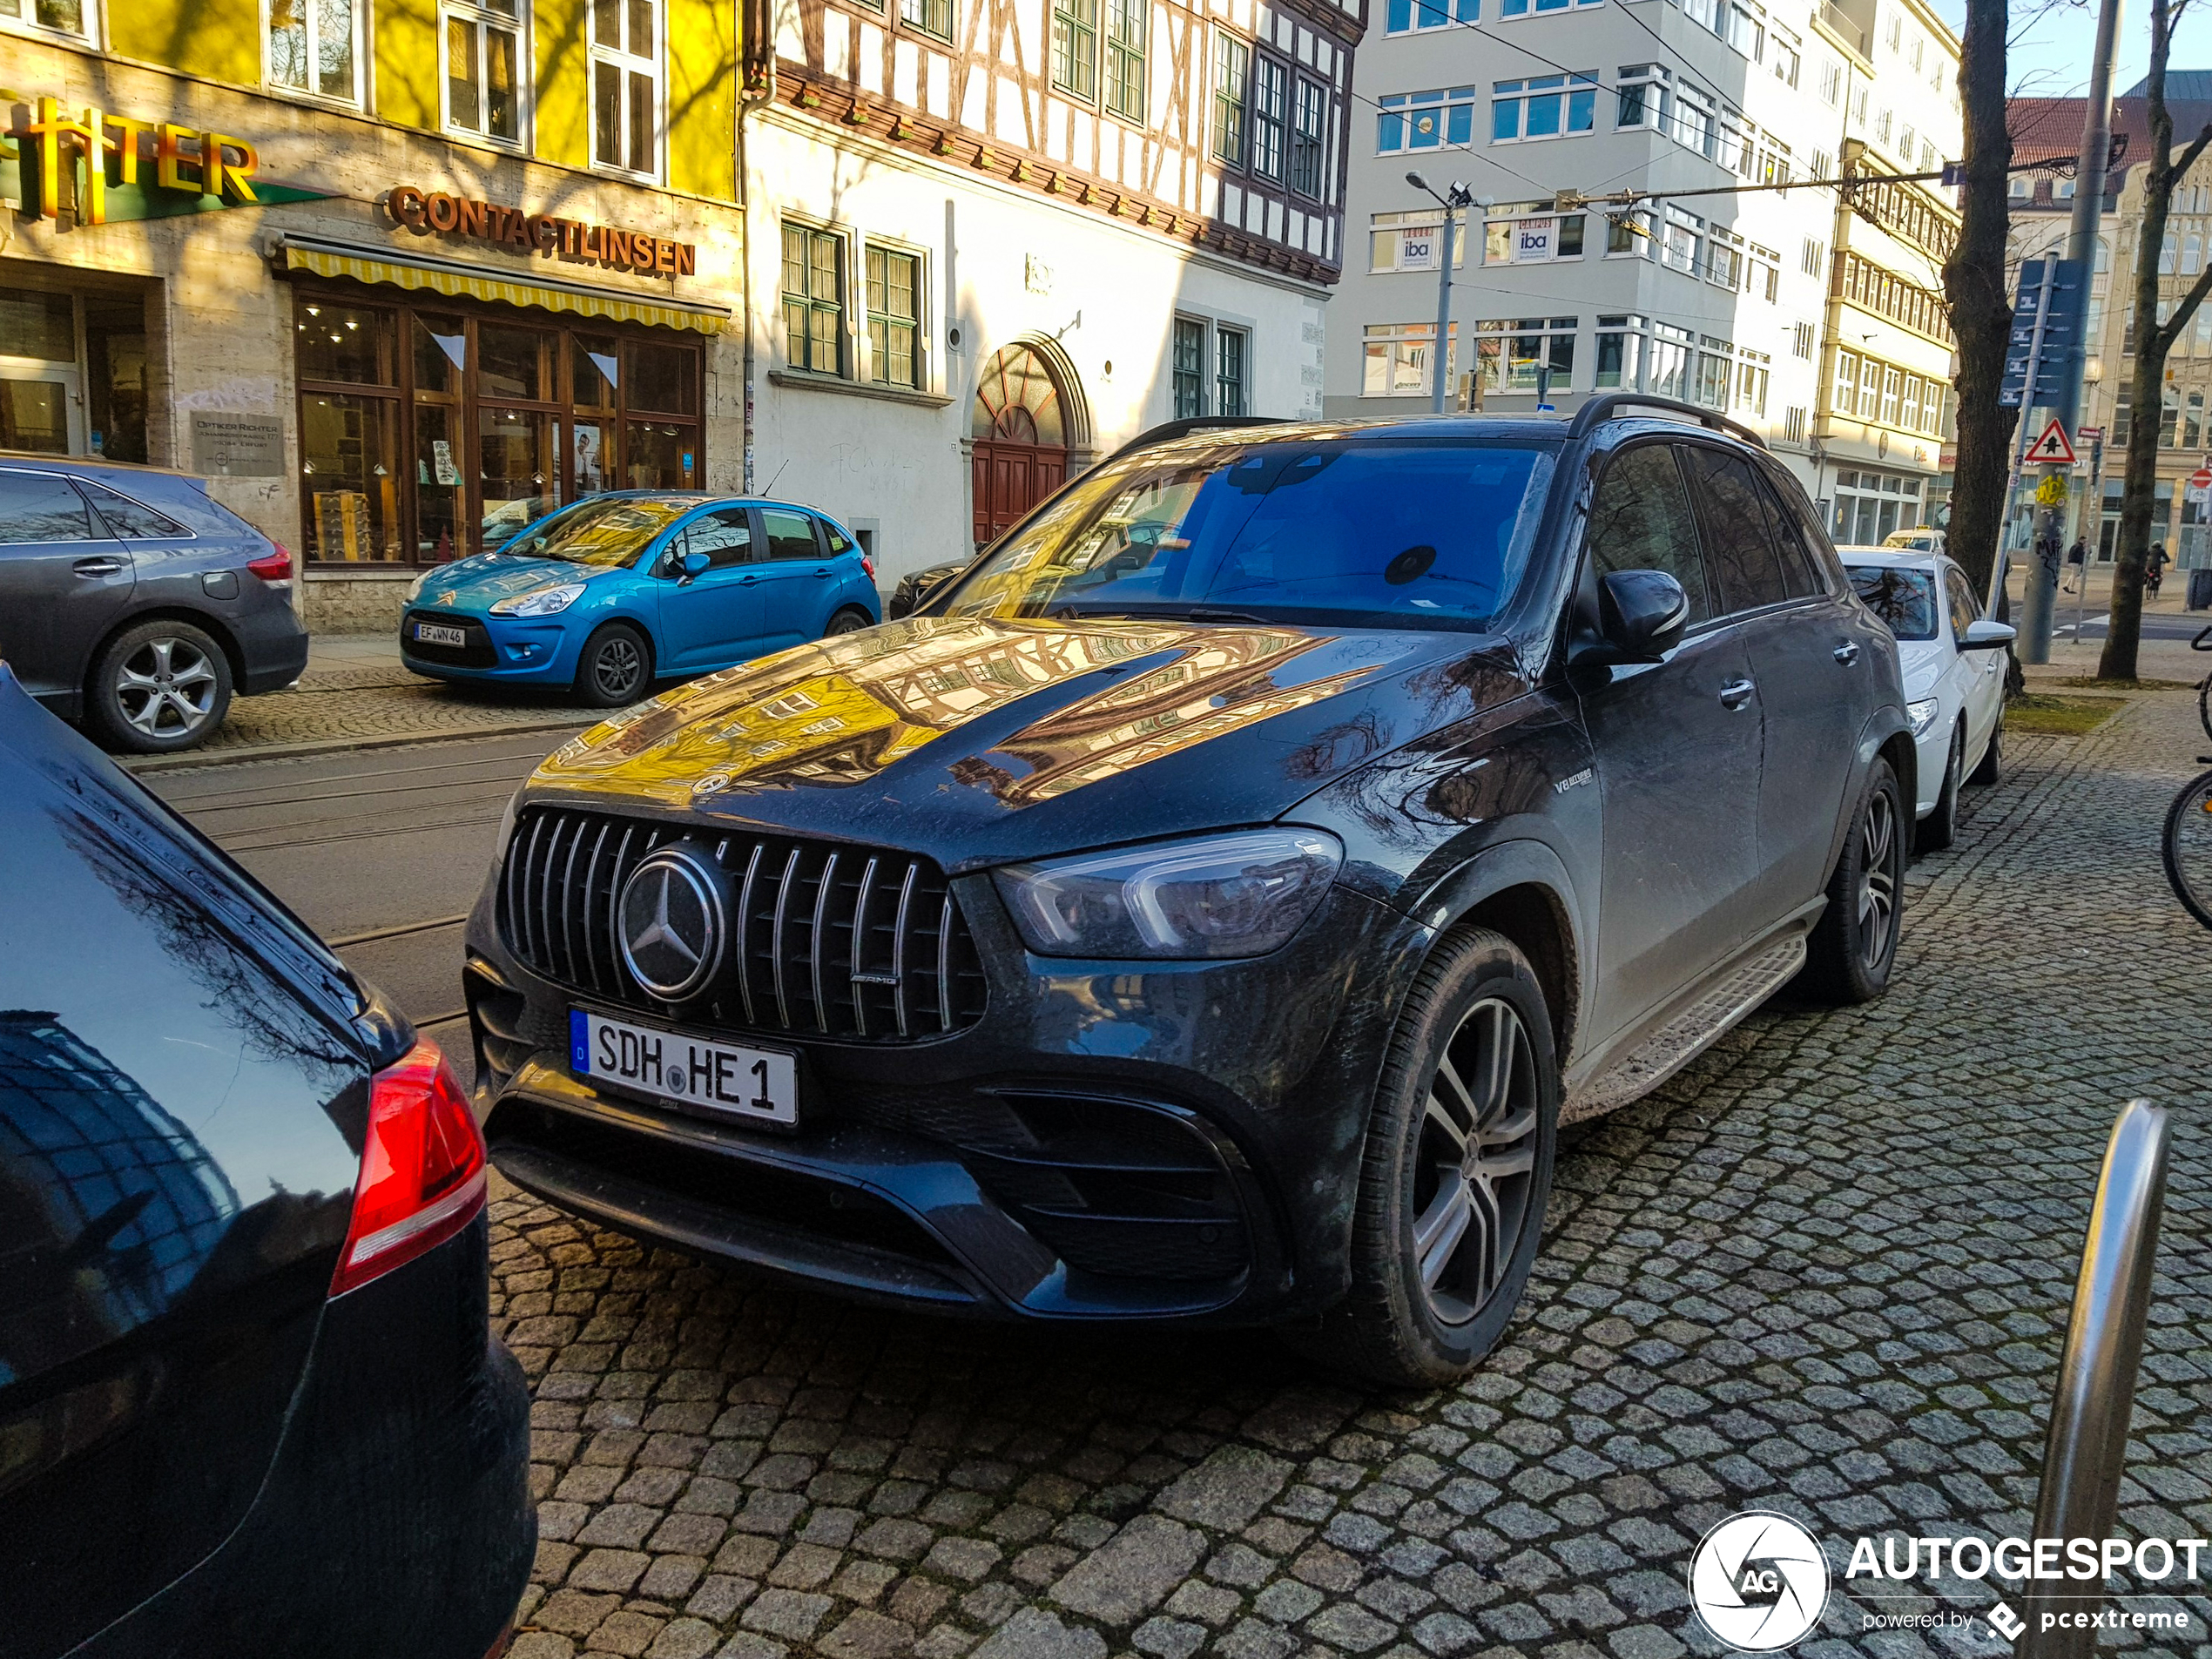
x=130 y=600
x=1212 y=905
x=248 y=1403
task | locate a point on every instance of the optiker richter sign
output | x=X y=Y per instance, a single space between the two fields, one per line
x=436 y=213
x=92 y=168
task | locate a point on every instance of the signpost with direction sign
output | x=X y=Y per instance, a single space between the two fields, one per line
x=2046 y=321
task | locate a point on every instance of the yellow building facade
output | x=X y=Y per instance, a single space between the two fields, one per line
x=393 y=277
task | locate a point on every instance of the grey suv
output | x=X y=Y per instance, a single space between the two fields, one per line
x=132 y=601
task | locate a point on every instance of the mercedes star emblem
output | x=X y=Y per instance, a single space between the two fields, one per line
x=671 y=923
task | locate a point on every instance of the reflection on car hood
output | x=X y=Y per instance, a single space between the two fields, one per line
x=977 y=740
x=1921 y=663
x=474 y=583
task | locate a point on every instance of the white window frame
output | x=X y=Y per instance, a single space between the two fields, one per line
x=482 y=18
x=358 y=98
x=629 y=64
x=1390 y=344
x=93 y=36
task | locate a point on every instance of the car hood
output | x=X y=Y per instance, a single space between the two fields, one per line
x=474 y=584
x=1921 y=663
x=978 y=741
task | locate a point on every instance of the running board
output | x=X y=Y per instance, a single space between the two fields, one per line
x=1675 y=1044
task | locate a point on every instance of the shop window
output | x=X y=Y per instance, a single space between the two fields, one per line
x=814 y=299
x=1190 y=368
x=1231 y=349
x=626 y=84
x=931 y=17
x=1271 y=116
x=511 y=361
x=62 y=16
x=37 y=370
x=1307 y=134
x=1075 y=47
x=664 y=379
x=1128 y=29
x=342 y=343
x=313 y=48
x=483 y=50
x=1233 y=74
x=894 y=318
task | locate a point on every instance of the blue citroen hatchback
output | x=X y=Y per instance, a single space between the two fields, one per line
x=611 y=592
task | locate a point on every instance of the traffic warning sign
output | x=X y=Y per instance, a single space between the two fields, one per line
x=2052 y=447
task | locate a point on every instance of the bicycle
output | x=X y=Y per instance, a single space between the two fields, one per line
x=2185 y=846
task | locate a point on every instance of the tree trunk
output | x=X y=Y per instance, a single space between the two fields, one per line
x=1981 y=312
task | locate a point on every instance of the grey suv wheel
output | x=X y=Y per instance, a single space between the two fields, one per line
x=158 y=687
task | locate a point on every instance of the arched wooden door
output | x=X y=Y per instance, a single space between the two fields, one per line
x=1021 y=440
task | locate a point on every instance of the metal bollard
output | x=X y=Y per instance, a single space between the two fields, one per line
x=2080 y=1496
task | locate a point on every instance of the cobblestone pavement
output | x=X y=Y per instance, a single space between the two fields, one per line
x=367 y=703
x=1825 y=1271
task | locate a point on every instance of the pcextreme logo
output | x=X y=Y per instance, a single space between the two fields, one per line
x=1760 y=1580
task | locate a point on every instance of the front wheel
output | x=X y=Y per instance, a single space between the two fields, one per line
x=1456 y=1173
x=1940 y=828
x=1853 y=945
x=614 y=668
x=2186 y=847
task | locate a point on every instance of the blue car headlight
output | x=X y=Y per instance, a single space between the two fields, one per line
x=540 y=602
x=1238 y=894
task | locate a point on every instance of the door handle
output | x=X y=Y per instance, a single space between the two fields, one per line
x=98 y=567
x=823 y=572
x=1847 y=653
x=1736 y=693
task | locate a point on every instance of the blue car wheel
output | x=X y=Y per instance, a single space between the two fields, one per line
x=850 y=620
x=614 y=668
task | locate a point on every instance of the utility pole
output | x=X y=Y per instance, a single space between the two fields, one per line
x=1440 y=354
x=2042 y=598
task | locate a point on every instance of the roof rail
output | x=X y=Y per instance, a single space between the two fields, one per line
x=1167 y=430
x=1608 y=407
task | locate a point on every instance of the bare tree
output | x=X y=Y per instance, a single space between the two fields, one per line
x=1981 y=313
x=2153 y=339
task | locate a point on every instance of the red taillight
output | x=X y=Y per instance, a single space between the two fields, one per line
x=422 y=1169
x=272 y=567
x=868 y=567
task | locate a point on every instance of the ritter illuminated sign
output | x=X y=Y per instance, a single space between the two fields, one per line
x=436 y=213
x=98 y=167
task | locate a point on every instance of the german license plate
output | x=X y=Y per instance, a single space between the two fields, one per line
x=432 y=633
x=680 y=1069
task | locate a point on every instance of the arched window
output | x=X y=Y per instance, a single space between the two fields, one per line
x=1017 y=402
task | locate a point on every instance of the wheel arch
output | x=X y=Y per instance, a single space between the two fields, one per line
x=637 y=625
x=211 y=625
x=1521 y=890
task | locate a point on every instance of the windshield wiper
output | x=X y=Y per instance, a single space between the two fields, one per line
x=1209 y=613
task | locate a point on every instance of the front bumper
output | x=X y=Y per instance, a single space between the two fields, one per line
x=1932 y=751
x=523 y=652
x=1134 y=1141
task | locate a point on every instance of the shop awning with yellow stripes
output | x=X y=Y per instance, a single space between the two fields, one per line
x=312 y=253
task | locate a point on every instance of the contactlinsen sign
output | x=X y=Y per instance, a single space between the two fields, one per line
x=436 y=213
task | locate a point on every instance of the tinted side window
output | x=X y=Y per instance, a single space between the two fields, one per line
x=41 y=507
x=1800 y=575
x=129 y=518
x=1966 y=610
x=1747 y=567
x=791 y=535
x=837 y=542
x=724 y=535
x=1640 y=520
x=1797 y=512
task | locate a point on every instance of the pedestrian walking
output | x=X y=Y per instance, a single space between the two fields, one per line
x=2154 y=568
x=2076 y=557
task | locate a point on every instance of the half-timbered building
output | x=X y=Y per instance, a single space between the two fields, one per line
x=990 y=240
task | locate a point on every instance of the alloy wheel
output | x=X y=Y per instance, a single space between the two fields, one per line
x=1474 y=1164
x=1878 y=880
x=617 y=667
x=166 y=688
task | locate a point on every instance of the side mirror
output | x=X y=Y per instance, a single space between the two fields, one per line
x=685 y=567
x=1987 y=635
x=1642 y=613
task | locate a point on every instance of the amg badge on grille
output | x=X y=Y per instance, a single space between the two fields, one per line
x=673 y=922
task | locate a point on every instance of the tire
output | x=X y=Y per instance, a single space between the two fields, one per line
x=1940 y=828
x=1991 y=767
x=2186 y=847
x=850 y=620
x=617 y=667
x=2204 y=700
x=1422 y=1317
x=158 y=687
x=1854 y=944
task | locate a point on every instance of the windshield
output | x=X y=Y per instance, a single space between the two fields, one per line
x=600 y=530
x=1373 y=533
x=1902 y=597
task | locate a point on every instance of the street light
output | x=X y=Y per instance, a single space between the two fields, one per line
x=1440 y=354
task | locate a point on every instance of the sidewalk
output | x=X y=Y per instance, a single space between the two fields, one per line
x=356 y=694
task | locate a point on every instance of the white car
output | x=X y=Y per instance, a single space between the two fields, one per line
x=1954 y=665
x=1922 y=540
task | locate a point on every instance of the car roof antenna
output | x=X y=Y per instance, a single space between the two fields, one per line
x=780 y=473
